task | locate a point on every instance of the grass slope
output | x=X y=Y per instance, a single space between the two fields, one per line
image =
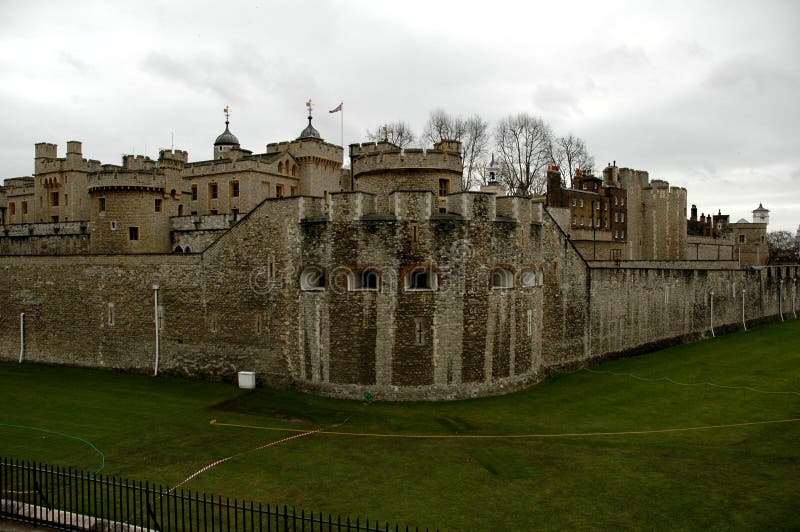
x=741 y=477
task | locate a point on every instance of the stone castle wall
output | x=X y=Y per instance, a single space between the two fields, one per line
x=240 y=305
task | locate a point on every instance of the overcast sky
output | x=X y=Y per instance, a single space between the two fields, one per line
x=703 y=94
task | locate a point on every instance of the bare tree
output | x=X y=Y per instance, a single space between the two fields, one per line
x=782 y=247
x=523 y=146
x=398 y=133
x=474 y=147
x=473 y=133
x=569 y=153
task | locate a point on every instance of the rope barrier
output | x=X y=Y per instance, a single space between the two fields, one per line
x=512 y=436
x=266 y=445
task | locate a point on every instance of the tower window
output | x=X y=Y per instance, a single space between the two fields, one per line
x=312 y=278
x=278 y=191
x=133 y=233
x=54 y=199
x=101 y=204
x=363 y=280
x=444 y=187
x=194 y=192
x=213 y=190
x=158 y=205
x=419 y=332
x=502 y=278
x=24 y=207
x=742 y=239
x=234 y=189
x=421 y=278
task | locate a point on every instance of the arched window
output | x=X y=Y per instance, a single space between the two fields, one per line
x=178 y=249
x=187 y=250
x=172 y=193
x=312 y=278
x=422 y=277
x=502 y=278
x=294 y=170
x=180 y=210
x=280 y=167
x=367 y=279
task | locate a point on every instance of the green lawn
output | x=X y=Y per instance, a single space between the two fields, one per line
x=745 y=477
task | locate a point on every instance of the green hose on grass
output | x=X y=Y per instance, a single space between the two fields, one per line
x=55 y=433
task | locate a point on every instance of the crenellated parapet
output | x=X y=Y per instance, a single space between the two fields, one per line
x=351 y=205
x=113 y=177
x=385 y=156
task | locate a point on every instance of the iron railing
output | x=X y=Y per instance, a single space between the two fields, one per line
x=68 y=499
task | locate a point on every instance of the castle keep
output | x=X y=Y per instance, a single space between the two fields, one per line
x=383 y=278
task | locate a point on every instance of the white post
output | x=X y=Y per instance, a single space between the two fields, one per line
x=21 y=336
x=711 y=298
x=794 y=296
x=155 y=320
x=780 y=297
x=743 y=320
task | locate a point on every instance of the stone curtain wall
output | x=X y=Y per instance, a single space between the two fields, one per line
x=641 y=308
x=66 y=302
x=239 y=305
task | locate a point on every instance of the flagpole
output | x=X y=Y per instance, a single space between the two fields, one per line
x=341 y=122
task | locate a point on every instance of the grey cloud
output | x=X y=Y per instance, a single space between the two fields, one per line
x=622 y=58
x=738 y=72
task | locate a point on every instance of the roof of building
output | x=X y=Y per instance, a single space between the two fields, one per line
x=761 y=208
x=309 y=132
x=226 y=138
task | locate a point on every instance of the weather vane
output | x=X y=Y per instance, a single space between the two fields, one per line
x=227 y=113
x=309 y=105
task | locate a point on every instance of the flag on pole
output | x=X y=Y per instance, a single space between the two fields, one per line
x=337 y=108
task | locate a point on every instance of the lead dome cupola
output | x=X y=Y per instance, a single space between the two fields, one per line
x=309 y=132
x=226 y=138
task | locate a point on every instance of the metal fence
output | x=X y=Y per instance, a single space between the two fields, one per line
x=67 y=499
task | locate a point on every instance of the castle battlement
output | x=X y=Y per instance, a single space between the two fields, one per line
x=116 y=177
x=173 y=155
x=384 y=156
x=301 y=148
x=351 y=205
x=47 y=160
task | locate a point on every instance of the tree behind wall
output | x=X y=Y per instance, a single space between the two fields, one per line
x=398 y=133
x=782 y=248
x=569 y=153
x=472 y=132
x=523 y=148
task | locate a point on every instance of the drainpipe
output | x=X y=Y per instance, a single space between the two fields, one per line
x=711 y=299
x=743 y=320
x=21 y=336
x=155 y=320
